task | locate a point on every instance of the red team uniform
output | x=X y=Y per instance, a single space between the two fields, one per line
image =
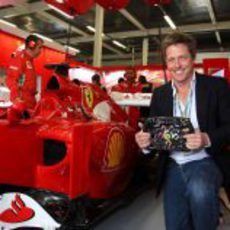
x=21 y=78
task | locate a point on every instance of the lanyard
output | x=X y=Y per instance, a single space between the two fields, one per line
x=185 y=110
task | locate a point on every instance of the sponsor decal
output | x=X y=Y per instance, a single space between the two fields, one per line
x=217 y=72
x=115 y=150
x=29 y=65
x=12 y=67
x=18 y=210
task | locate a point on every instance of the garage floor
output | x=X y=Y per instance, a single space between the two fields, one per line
x=145 y=213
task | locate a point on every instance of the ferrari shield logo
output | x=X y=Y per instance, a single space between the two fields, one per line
x=88 y=96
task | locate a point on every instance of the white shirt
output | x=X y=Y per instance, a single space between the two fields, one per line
x=185 y=157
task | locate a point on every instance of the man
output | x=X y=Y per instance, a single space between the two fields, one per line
x=143 y=85
x=121 y=86
x=21 y=76
x=191 y=179
x=96 y=80
x=130 y=77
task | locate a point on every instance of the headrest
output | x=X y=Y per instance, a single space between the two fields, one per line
x=60 y=69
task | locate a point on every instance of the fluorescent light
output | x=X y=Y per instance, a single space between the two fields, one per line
x=72 y=50
x=61 y=12
x=90 y=28
x=169 y=21
x=7 y=23
x=117 y=43
x=218 y=38
x=9 y=16
x=44 y=37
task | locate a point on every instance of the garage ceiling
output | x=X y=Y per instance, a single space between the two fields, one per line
x=207 y=20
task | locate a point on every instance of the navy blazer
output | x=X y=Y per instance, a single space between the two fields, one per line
x=213 y=114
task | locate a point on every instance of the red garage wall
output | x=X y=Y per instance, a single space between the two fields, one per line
x=9 y=44
x=211 y=65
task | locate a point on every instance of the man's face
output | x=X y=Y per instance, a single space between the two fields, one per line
x=37 y=50
x=130 y=76
x=179 y=62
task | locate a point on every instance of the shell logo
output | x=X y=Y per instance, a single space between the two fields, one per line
x=88 y=96
x=115 y=150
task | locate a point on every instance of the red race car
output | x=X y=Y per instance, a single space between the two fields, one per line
x=73 y=153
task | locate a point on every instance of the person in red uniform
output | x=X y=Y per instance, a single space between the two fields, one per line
x=21 y=76
x=130 y=76
x=121 y=86
x=96 y=80
x=143 y=85
x=133 y=112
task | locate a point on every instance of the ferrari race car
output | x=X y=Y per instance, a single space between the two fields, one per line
x=72 y=155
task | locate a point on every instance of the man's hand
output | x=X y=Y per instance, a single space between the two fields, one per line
x=143 y=139
x=197 y=140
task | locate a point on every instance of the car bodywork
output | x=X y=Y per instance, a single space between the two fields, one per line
x=63 y=156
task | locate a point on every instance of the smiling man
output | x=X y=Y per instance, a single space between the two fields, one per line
x=191 y=179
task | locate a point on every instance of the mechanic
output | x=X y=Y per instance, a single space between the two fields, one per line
x=121 y=86
x=21 y=76
x=96 y=80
